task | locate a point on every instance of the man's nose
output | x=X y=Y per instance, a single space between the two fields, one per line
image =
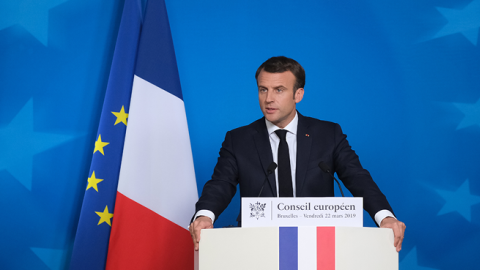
x=269 y=97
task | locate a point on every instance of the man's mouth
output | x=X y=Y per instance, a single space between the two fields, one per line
x=270 y=110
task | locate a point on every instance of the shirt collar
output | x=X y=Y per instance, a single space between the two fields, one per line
x=291 y=127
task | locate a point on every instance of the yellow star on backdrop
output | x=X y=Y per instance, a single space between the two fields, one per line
x=105 y=216
x=92 y=182
x=99 y=145
x=121 y=116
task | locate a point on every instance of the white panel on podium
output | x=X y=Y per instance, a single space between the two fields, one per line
x=375 y=244
x=239 y=249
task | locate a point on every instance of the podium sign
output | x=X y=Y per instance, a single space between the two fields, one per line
x=324 y=211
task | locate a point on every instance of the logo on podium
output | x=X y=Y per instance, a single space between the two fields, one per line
x=257 y=210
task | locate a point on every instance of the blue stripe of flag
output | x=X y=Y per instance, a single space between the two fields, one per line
x=288 y=237
x=156 y=55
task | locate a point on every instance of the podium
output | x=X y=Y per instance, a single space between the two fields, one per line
x=302 y=248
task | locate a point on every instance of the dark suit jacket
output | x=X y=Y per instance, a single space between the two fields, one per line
x=246 y=154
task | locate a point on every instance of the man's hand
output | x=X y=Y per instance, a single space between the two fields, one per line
x=201 y=222
x=398 y=228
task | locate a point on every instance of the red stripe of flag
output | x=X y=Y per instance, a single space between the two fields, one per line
x=326 y=248
x=147 y=240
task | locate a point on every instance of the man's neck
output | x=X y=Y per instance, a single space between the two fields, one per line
x=291 y=127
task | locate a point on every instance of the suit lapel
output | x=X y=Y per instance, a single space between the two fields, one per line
x=262 y=143
x=304 y=142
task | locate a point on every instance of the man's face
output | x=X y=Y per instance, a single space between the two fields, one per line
x=275 y=94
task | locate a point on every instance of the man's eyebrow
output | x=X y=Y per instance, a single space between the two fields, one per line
x=274 y=87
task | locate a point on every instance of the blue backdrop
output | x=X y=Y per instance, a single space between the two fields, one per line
x=402 y=78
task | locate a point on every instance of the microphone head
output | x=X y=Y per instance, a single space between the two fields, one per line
x=271 y=167
x=324 y=167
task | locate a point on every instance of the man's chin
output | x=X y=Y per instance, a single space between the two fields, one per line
x=274 y=121
x=270 y=118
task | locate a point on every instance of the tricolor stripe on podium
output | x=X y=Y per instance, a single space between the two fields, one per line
x=299 y=250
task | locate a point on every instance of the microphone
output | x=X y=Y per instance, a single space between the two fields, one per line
x=271 y=168
x=326 y=169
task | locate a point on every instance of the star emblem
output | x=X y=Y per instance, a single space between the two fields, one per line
x=460 y=201
x=411 y=261
x=53 y=258
x=105 y=216
x=465 y=21
x=121 y=116
x=93 y=181
x=30 y=14
x=19 y=143
x=99 y=145
x=472 y=114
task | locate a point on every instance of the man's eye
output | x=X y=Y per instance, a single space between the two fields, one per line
x=263 y=90
x=279 y=90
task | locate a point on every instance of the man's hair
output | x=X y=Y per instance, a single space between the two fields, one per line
x=279 y=64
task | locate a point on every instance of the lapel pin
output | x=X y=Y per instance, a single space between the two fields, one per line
x=307 y=135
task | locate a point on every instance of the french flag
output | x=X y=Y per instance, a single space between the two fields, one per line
x=141 y=188
x=156 y=187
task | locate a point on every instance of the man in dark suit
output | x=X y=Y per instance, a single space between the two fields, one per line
x=298 y=144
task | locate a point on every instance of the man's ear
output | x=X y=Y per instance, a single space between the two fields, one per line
x=298 y=95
